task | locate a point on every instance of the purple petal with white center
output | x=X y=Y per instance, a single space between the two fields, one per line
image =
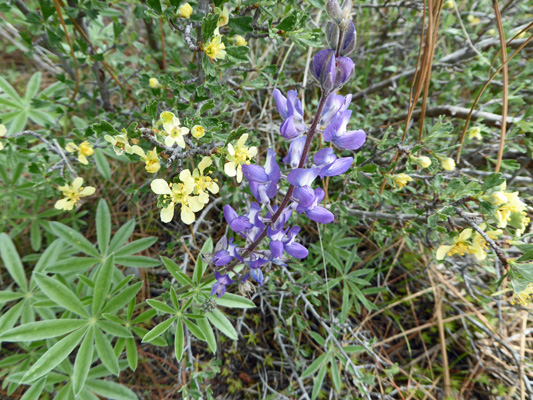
x=338 y=126
x=296 y=250
x=240 y=224
x=338 y=167
x=254 y=216
x=319 y=195
x=271 y=166
x=351 y=140
x=289 y=130
x=272 y=189
x=281 y=103
x=302 y=176
x=320 y=215
x=221 y=258
x=264 y=198
x=334 y=104
x=229 y=213
x=255 y=173
x=294 y=106
x=305 y=196
x=291 y=234
x=276 y=248
x=296 y=149
x=324 y=156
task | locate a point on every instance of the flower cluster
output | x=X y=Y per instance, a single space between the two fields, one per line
x=265 y=219
x=510 y=210
x=84 y=150
x=73 y=194
x=469 y=242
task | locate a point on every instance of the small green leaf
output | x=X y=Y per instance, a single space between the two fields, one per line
x=110 y=390
x=194 y=329
x=33 y=86
x=40 y=330
x=72 y=265
x=318 y=381
x=176 y=272
x=131 y=353
x=103 y=225
x=102 y=284
x=12 y=261
x=158 y=330
x=123 y=298
x=135 y=246
x=74 y=238
x=83 y=362
x=36 y=237
x=335 y=376
x=137 y=261
x=221 y=322
x=8 y=295
x=8 y=89
x=234 y=301
x=201 y=265
x=60 y=294
x=178 y=340
x=105 y=352
x=115 y=329
x=35 y=390
x=102 y=164
x=163 y=307
x=54 y=356
x=315 y=365
x=208 y=333
x=122 y=236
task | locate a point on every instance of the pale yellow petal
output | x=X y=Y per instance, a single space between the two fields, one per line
x=231 y=150
x=252 y=151
x=195 y=203
x=60 y=204
x=160 y=186
x=465 y=234
x=167 y=213
x=206 y=162
x=87 y=191
x=213 y=188
x=82 y=159
x=169 y=141
x=76 y=183
x=139 y=151
x=187 y=216
x=239 y=173
x=441 y=252
x=185 y=175
x=229 y=169
x=180 y=141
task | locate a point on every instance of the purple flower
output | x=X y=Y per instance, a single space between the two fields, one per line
x=237 y=223
x=329 y=164
x=290 y=109
x=302 y=176
x=348 y=40
x=255 y=269
x=263 y=181
x=308 y=203
x=284 y=240
x=220 y=285
x=334 y=104
x=296 y=149
x=336 y=133
x=330 y=71
x=225 y=252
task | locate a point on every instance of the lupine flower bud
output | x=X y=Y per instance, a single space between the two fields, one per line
x=346 y=11
x=330 y=71
x=334 y=10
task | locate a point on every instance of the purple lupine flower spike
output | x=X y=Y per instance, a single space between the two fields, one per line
x=263 y=181
x=220 y=285
x=323 y=69
x=290 y=109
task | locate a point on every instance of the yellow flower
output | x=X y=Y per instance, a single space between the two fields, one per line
x=72 y=194
x=239 y=40
x=174 y=130
x=460 y=246
x=448 y=4
x=237 y=156
x=447 y=163
x=473 y=20
x=151 y=159
x=178 y=193
x=3 y=132
x=198 y=131
x=422 y=161
x=223 y=16
x=120 y=144
x=215 y=48
x=84 y=150
x=401 y=180
x=154 y=83
x=479 y=246
x=524 y=297
x=475 y=133
x=202 y=182
x=185 y=10
x=510 y=208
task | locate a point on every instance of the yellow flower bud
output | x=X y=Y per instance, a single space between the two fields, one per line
x=401 y=180
x=475 y=133
x=422 y=161
x=198 y=131
x=239 y=40
x=492 y=32
x=449 y=4
x=473 y=20
x=185 y=10
x=448 y=164
x=154 y=83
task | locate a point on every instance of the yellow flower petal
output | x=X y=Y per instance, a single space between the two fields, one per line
x=160 y=186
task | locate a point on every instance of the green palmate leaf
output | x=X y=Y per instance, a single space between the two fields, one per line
x=83 y=362
x=137 y=261
x=122 y=236
x=123 y=298
x=8 y=89
x=35 y=390
x=74 y=238
x=135 y=246
x=110 y=390
x=8 y=295
x=102 y=284
x=40 y=330
x=176 y=272
x=178 y=340
x=234 y=301
x=102 y=164
x=315 y=365
x=33 y=86
x=115 y=329
x=72 y=265
x=12 y=261
x=65 y=393
x=208 y=333
x=105 y=352
x=18 y=123
x=131 y=353
x=60 y=294
x=163 y=307
x=103 y=225
x=221 y=322
x=194 y=329
x=55 y=355
x=158 y=330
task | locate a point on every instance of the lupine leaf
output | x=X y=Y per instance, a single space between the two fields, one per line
x=74 y=238
x=158 y=330
x=103 y=225
x=218 y=319
x=105 y=352
x=234 y=301
x=122 y=236
x=40 y=330
x=83 y=362
x=102 y=284
x=12 y=261
x=60 y=294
